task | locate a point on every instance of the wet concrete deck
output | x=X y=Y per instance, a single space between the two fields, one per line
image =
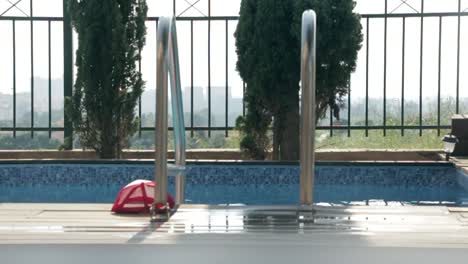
x=461 y=163
x=89 y=233
x=368 y=226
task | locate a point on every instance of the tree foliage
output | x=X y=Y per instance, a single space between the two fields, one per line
x=268 y=48
x=110 y=35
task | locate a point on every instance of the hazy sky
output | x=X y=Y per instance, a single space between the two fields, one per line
x=230 y=8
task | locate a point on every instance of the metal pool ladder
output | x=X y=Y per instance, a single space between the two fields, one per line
x=308 y=115
x=167 y=62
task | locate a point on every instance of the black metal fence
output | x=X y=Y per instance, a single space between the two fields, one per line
x=331 y=125
x=68 y=66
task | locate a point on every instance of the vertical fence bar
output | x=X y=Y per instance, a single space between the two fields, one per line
x=209 y=68
x=14 y=78
x=331 y=121
x=385 y=72
x=156 y=73
x=32 y=65
x=403 y=48
x=191 y=78
x=243 y=98
x=227 y=80
x=67 y=73
x=50 y=78
x=421 y=61
x=139 y=98
x=457 y=110
x=439 y=76
x=349 y=107
x=174 y=7
x=367 y=77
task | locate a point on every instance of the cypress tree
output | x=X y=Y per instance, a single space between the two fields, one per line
x=268 y=48
x=102 y=108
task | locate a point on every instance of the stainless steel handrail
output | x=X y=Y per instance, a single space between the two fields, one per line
x=308 y=116
x=168 y=63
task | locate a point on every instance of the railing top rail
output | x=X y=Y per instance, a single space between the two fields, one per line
x=234 y=18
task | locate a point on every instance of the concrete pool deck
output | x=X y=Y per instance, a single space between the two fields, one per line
x=461 y=163
x=89 y=233
x=422 y=226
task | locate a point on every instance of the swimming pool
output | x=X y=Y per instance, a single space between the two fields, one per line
x=240 y=182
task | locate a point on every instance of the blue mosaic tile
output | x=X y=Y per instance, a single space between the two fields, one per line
x=232 y=175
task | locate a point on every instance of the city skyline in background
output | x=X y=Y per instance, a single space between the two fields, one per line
x=200 y=108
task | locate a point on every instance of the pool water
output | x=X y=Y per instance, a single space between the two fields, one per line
x=336 y=194
x=240 y=184
x=250 y=194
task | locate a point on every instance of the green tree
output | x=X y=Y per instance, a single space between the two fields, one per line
x=110 y=35
x=268 y=48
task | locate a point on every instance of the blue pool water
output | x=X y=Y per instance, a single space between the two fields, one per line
x=240 y=184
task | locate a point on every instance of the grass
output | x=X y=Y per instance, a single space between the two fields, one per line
x=376 y=140
x=340 y=140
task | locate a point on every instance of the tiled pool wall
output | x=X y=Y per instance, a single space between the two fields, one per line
x=232 y=174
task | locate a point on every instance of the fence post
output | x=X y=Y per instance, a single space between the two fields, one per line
x=67 y=73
